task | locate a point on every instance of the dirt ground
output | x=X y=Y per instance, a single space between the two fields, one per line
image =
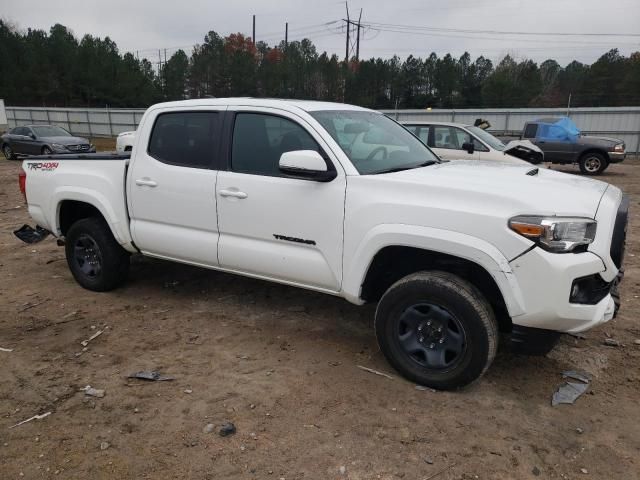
x=280 y=363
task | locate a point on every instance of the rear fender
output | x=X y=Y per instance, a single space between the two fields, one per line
x=117 y=220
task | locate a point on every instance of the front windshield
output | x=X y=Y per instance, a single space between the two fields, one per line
x=487 y=138
x=373 y=142
x=50 y=131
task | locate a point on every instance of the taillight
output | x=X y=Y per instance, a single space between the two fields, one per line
x=22 y=180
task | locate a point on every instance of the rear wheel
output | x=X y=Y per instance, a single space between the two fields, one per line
x=437 y=330
x=8 y=152
x=95 y=259
x=593 y=163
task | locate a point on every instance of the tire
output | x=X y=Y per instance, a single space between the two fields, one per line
x=8 y=152
x=593 y=163
x=46 y=150
x=437 y=330
x=95 y=259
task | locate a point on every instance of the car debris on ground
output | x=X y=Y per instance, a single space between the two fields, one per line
x=376 y=372
x=152 y=376
x=84 y=343
x=611 y=342
x=93 y=392
x=35 y=417
x=569 y=391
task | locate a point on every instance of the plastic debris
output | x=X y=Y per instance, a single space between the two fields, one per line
x=610 y=342
x=574 y=374
x=35 y=417
x=151 y=376
x=84 y=343
x=6 y=349
x=568 y=393
x=31 y=235
x=227 y=429
x=93 y=392
x=376 y=372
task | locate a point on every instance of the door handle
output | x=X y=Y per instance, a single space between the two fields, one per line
x=233 y=193
x=145 y=182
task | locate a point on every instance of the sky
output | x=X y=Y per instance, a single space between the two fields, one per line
x=391 y=27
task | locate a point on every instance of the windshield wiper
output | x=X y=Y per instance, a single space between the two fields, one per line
x=409 y=167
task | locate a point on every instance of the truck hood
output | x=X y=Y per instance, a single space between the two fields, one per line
x=514 y=189
x=598 y=141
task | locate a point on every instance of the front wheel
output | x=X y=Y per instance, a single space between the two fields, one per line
x=95 y=259
x=593 y=164
x=8 y=152
x=437 y=330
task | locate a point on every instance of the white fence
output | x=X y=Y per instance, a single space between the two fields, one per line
x=618 y=122
x=90 y=122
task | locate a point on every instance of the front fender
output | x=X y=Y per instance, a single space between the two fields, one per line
x=456 y=244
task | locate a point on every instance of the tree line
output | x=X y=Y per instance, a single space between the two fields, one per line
x=39 y=68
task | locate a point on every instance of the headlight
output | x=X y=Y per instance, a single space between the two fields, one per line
x=57 y=146
x=619 y=148
x=555 y=234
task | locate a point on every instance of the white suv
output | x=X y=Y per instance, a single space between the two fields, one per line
x=456 y=141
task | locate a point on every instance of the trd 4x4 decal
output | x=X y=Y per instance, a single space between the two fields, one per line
x=43 y=166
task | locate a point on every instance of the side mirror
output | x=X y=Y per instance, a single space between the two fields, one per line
x=306 y=165
x=468 y=146
x=32 y=136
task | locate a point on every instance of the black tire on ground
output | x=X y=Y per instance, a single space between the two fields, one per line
x=46 y=150
x=437 y=330
x=593 y=163
x=8 y=152
x=95 y=259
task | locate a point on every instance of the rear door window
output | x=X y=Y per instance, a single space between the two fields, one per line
x=186 y=139
x=531 y=130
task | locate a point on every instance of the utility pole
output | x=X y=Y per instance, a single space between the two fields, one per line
x=346 y=55
x=352 y=24
x=358 y=38
x=253 y=38
x=286 y=35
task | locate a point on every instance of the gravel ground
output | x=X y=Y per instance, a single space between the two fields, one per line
x=281 y=365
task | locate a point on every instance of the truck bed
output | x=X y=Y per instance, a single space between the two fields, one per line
x=97 y=179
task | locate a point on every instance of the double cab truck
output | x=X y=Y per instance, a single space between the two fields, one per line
x=345 y=201
x=563 y=143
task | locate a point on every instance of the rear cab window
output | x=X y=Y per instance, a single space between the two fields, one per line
x=186 y=139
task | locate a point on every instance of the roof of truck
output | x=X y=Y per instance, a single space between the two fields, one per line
x=306 y=105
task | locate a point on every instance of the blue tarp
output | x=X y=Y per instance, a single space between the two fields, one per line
x=563 y=130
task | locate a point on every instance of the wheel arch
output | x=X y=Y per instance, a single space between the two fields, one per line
x=385 y=258
x=73 y=206
x=598 y=150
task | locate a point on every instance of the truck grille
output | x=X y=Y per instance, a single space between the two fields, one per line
x=78 y=148
x=618 y=238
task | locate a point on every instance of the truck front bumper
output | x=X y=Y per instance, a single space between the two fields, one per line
x=616 y=157
x=572 y=292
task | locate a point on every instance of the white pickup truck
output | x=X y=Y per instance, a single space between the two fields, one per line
x=345 y=201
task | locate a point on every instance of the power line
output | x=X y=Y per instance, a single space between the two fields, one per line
x=501 y=32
